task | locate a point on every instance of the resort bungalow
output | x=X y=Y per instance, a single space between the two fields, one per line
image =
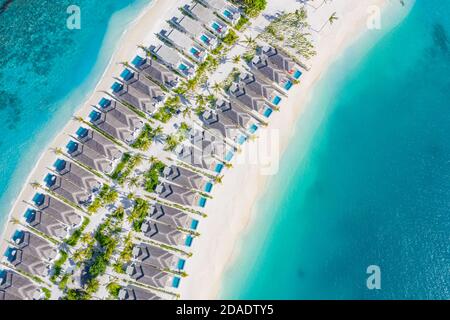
x=154 y=256
x=220 y=124
x=207 y=17
x=237 y=115
x=163 y=233
x=89 y=157
x=179 y=195
x=155 y=71
x=247 y=98
x=183 y=43
x=171 y=216
x=173 y=60
x=98 y=143
x=260 y=88
x=116 y=120
x=134 y=92
x=26 y=262
x=135 y=293
x=66 y=189
x=77 y=175
x=45 y=223
x=56 y=209
x=34 y=245
x=196 y=30
x=194 y=157
x=121 y=113
x=209 y=145
x=281 y=61
x=14 y=286
x=149 y=275
x=261 y=66
x=186 y=178
x=224 y=9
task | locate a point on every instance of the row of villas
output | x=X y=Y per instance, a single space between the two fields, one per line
x=51 y=214
x=93 y=150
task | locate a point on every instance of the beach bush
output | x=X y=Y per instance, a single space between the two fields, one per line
x=252 y=8
x=241 y=23
x=230 y=38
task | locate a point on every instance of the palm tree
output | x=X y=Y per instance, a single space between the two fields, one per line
x=249 y=41
x=58 y=151
x=138 y=159
x=218 y=179
x=236 y=59
x=86 y=238
x=332 y=18
x=130 y=196
x=217 y=87
x=133 y=182
x=35 y=185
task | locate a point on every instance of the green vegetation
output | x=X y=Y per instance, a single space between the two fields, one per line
x=57 y=267
x=73 y=239
x=139 y=213
x=47 y=293
x=252 y=8
x=113 y=289
x=76 y=294
x=106 y=196
x=241 y=23
x=125 y=167
x=230 y=38
x=144 y=141
x=63 y=283
x=293 y=36
x=165 y=113
x=152 y=176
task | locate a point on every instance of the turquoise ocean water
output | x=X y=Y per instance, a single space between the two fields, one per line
x=367 y=181
x=46 y=72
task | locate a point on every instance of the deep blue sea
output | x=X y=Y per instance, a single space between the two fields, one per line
x=367 y=181
x=46 y=72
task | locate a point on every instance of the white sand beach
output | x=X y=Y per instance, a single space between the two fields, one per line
x=232 y=212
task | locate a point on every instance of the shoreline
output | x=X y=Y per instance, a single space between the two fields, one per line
x=228 y=226
x=136 y=32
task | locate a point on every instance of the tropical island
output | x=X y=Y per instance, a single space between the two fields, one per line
x=115 y=206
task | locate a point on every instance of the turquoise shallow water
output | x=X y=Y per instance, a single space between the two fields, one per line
x=46 y=71
x=372 y=186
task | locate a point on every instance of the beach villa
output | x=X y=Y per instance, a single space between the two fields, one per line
x=281 y=61
x=224 y=9
x=207 y=17
x=183 y=43
x=155 y=71
x=260 y=65
x=163 y=233
x=261 y=88
x=196 y=30
x=135 y=293
x=149 y=275
x=154 y=256
x=237 y=115
x=116 y=120
x=171 y=216
x=14 y=286
x=173 y=60
x=239 y=93
x=184 y=177
x=222 y=125
x=177 y=194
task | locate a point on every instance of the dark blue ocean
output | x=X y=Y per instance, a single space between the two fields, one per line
x=46 y=72
x=372 y=184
